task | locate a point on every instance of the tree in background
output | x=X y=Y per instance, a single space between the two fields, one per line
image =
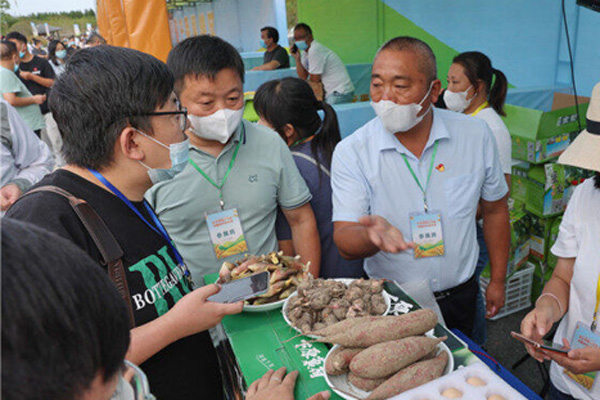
x=6 y=20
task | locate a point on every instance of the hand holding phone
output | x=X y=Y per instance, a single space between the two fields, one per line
x=546 y=346
x=242 y=289
x=294 y=49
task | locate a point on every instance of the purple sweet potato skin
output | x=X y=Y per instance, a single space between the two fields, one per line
x=338 y=361
x=385 y=329
x=344 y=325
x=364 y=383
x=410 y=377
x=387 y=358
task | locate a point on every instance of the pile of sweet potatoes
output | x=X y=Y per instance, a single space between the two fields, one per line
x=321 y=303
x=385 y=355
x=286 y=274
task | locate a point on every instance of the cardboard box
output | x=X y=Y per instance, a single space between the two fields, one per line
x=539 y=136
x=541 y=276
x=518 y=181
x=552 y=259
x=548 y=190
x=540 y=237
x=520 y=238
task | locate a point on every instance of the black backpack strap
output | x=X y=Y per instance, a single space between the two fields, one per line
x=105 y=241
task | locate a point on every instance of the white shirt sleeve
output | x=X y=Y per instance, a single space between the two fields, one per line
x=316 y=61
x=566 y=245
x=350 y=189
x=32 y=158
x=494 y=184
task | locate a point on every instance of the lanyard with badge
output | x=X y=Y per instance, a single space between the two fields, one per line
x=586 y=337
x=426 y=226
x=224 y=225
x=156 y=227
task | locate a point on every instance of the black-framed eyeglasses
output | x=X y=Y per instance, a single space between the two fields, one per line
x=182 y=113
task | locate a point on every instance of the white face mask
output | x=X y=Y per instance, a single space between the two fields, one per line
x=399 y=117
x=217 y=126
x=178 y=152
x=457 y=101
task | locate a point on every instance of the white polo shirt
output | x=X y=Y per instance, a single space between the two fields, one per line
x=369 y=176
x=578 y=237
x=319 y=60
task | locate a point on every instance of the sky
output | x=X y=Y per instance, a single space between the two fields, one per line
x=26 y=7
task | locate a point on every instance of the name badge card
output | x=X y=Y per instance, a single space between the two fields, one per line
x=584 y=337
x=226 y=234
x=426 y=232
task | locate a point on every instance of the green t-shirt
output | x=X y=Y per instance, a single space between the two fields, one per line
x=31 y=114
x=263 y=177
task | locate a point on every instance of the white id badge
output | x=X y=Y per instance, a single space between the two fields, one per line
x=426 y=232
x=226 y=234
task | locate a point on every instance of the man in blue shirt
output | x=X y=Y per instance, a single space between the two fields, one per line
x=406 y=187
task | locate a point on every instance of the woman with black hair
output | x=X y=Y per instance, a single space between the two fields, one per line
x=57 y=55
x=479 y=90
x=289 y=106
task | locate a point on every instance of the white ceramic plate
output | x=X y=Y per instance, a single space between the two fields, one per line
x=346 y=281
x=341 y=381
x=264 y=307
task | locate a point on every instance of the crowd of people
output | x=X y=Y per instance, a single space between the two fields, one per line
x=154 y=169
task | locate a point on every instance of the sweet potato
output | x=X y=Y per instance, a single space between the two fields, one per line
x=344 y=325
x=384 y=329
x=384 y=359
x=339 y=359
x=410 y=377
x=365 y=384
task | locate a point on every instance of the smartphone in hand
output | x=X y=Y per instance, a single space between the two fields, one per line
x=546 y=346
x=242 y=289
x=294 y=49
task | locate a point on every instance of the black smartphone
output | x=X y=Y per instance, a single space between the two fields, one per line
x=546 y=346
x=294 y=49
x=242 y=289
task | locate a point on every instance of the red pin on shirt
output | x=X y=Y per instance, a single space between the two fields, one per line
x=441 y=167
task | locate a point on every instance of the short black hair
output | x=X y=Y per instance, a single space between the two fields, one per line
x=93 y=39
x=203 y=55
x=271 y=33
x=303 y=26
x=16 y=36
x=426 y=57
x=101 y=91
x=7 y=50
x=63 y=321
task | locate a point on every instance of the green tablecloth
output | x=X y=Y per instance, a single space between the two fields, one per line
x=260 y=342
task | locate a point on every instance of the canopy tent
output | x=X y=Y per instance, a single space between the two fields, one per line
x=138 y=24
x=41 y=28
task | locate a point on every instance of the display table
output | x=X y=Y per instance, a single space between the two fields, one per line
x=257 y=342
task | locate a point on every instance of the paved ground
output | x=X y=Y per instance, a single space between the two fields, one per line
x=507 y=351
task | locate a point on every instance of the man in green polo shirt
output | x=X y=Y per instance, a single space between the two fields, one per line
x=224 y=204
x=15 y=92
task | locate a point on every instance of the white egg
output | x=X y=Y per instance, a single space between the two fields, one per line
x=496 y=397
x=452 y=393
x=475 y=381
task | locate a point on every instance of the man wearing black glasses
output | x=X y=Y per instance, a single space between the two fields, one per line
x=123 y=132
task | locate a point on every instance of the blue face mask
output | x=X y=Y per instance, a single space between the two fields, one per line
x=263 y=44
x=301 y=44
x=178 y=153
x=22 y=54
x=62 y=54
x=16 y=68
